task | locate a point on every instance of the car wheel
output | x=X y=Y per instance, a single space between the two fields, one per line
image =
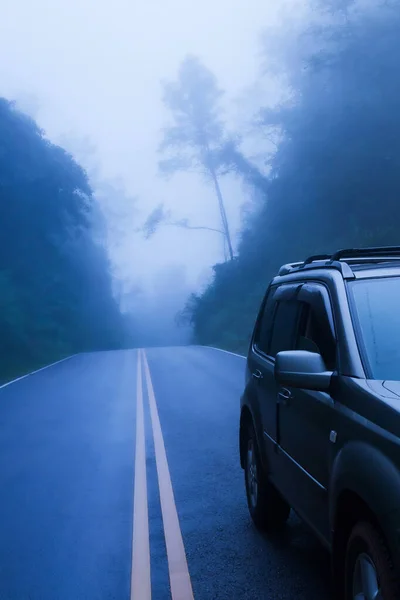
x=266 y=506
x=369 y=572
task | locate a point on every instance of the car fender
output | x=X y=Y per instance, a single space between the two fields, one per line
x=363 y=469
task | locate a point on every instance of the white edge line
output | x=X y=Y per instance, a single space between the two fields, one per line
x=37 y=371
x=226 y=351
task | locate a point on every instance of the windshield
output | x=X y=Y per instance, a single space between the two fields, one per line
x=377 y=322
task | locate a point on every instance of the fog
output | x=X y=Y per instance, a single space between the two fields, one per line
x=89 y=72
x=204 y=145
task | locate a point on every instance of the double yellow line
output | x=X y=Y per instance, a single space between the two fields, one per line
x=181 y=587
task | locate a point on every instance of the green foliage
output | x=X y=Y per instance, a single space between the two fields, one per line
x=55 y=284
x=335 y=177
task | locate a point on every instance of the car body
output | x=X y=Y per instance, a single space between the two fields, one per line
x=320 y=413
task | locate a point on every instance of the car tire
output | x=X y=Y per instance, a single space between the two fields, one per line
x=267 y=508
x=369 y=571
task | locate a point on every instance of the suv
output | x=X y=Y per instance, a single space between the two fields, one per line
x=320 y=414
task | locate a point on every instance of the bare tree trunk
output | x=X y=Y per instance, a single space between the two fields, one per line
x=222 y=211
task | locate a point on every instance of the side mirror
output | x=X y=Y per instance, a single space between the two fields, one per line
x=301 y=369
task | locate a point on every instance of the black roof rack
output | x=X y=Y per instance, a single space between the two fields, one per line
x=311 y=259
x=338 y=259
x=389 y=252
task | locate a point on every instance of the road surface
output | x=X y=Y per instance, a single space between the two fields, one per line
x=98 y=442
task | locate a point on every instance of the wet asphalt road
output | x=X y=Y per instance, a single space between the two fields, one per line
x=67 y=456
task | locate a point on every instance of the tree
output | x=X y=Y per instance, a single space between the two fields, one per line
x=194 y=139
x=334 y=180
x=55 y=283
x=159 y=215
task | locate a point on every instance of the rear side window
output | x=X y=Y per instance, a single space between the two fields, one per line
x=284 y=330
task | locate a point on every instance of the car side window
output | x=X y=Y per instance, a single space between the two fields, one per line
x=285 y=326
x=263 y=333
x=315 y=334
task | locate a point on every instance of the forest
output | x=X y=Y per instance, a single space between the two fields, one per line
x=331 y=176
x=326 y=176
x=56 y=294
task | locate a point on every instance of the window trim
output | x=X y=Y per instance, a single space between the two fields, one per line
x=287 y=287
x=298 y=317
x=333 y=324
x=330 y=312
x=298 y=284
x=271 y=290
x=358 y=333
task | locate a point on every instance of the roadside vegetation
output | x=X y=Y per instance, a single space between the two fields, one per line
x=321 y=168
x=331 y=161
x=55 y=282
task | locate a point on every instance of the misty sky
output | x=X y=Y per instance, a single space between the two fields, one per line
x=91 y=70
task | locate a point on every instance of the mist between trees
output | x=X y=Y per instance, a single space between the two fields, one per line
x=333 y=177
x=329 y=179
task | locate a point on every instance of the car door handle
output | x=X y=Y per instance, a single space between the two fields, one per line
x=285 y=396
x=257 y=374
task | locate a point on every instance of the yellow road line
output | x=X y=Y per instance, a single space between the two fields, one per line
x=140 y=574
x=181 y=587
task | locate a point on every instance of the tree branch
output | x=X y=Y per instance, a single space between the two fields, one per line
x=187 y=226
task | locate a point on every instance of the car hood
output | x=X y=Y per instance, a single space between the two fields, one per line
x=392 y=386
x=388 y=420
x=389 y=391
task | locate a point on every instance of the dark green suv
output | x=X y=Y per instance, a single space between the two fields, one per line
x=320 y=414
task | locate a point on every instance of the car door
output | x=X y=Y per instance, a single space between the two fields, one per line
x=280 y=313
x=306 y=417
